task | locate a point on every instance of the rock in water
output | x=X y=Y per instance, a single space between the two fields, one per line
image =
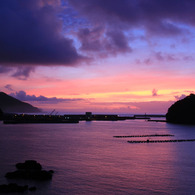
x=40 y=175
x=30 y=169
x=182 y=111
x=12 y=188
x=29 y=165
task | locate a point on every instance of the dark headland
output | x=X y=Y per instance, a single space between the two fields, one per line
x=9 y=104
x=182 y=111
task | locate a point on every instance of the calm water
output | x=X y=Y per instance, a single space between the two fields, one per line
x=88 y=160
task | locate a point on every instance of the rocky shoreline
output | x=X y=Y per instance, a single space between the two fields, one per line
x=29 y=170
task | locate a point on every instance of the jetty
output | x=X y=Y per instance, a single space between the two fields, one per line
x=25 y=118
x=161 y=141
x=66 y=118
x=9 y=118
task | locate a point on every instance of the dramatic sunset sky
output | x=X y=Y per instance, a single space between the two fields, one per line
x=103 y=56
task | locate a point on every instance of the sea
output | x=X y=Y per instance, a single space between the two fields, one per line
x=87 y=159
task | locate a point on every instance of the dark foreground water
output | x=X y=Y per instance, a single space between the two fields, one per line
x=88 y=160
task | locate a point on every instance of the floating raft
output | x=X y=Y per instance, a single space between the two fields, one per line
x=152 y=135
x=162 y=141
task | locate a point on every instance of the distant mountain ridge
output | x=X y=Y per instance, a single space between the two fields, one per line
x=9 y=104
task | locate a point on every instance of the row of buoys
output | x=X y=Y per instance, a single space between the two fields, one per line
x=162 y=141
x=152 y=135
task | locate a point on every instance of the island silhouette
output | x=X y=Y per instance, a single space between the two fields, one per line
x=182 y=111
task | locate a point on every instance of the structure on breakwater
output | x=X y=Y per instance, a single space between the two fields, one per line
x=88 y=116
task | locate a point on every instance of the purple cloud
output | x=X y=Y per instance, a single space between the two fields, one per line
x=154 y=92
x=22 y=73
x=101 y=41
x=119 y=41
x=177 y=97
x=38 y=32
x=91 y=39
x=4 y=69
x=21 y=95
x=31 y=34
x=148 y=61
x=157 y=17
x=9 y=87
x=107 y=25
x=164 y=57
x=188 y=58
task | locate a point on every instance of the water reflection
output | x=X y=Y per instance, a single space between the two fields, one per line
x=87 y=158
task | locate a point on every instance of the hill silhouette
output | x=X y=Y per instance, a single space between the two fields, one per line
x=182 y=111
x=9 y=104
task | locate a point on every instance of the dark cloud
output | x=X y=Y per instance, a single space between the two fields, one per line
x=31 y=33
x=91 y=39
x=110 y=22
x=160 y=17
x=22 y=73
x=119 y=41
x=104 y=42
x=21 y=95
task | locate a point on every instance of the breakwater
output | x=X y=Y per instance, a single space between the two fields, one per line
x=162 y=141
x=151 y=135
x=9 y=118
x=25 y=118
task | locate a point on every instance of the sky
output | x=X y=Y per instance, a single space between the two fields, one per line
x=113 y=56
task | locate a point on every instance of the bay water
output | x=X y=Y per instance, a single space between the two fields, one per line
x=87 y=159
